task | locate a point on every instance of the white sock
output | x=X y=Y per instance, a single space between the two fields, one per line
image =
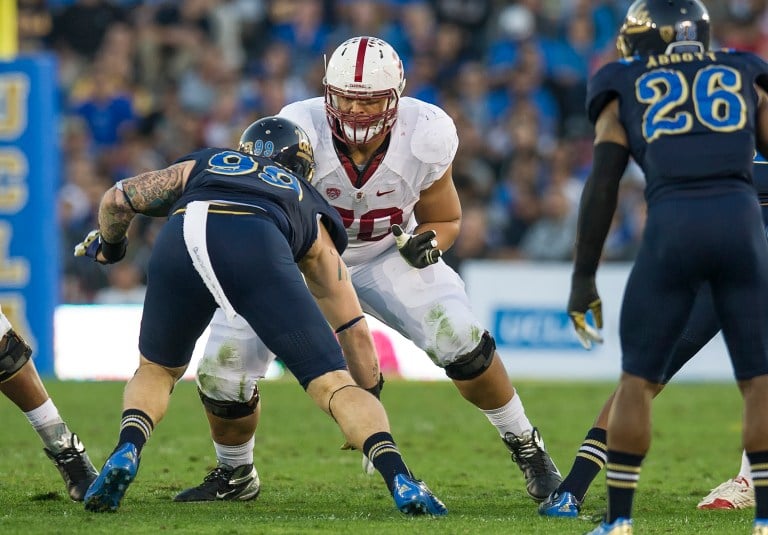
x=235 y=456
x=43 y=416
x=745 y=471
x=510 y=418
x=52 y=430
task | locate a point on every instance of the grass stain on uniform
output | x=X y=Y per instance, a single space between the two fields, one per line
x=209 y=382
x=443 y=329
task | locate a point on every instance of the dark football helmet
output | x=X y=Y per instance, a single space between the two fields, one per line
x=282 y=141
x=653 y=26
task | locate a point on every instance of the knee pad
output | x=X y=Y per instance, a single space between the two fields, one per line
x=14 y=353
x=472 y=364
x=230 y=410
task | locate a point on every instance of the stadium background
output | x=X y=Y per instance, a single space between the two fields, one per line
x=94 y=91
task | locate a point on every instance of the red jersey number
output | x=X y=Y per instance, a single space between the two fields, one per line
x=372 y=225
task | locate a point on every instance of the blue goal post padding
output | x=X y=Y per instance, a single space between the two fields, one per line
x=29 y=180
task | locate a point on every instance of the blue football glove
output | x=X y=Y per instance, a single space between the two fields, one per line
x=583 y=298
x=420 y=250
x=93 y=244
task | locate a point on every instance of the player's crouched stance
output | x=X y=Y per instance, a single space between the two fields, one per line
x=248 y=234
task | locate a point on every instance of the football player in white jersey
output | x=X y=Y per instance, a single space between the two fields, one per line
x=384 y=162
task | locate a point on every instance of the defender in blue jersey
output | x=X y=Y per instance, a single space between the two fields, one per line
x=243 y=227
x=691 y=118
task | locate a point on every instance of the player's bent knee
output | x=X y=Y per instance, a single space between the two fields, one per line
x=14 y=354
x=473 y=364
x=230 y=410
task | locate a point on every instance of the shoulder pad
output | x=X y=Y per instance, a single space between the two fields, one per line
x=434 y=139
x=201 y=154
x=759 y=68
x=301 y=113
x=604 y=87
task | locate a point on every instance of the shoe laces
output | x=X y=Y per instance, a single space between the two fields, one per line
x=526 y=449
x=222 y=472
x=71 y=459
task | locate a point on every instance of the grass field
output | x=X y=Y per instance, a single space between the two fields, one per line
x=310 y=486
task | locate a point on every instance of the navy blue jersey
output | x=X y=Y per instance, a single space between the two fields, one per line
x=290 y=201
x=689 y=117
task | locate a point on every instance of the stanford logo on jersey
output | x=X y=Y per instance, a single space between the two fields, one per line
x=332 y=193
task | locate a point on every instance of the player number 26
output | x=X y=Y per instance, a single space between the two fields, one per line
x=715 y=93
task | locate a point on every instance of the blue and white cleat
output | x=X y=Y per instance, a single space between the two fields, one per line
x=620 y=526
x=560 y=505
x=105 y=493
x=413 y=497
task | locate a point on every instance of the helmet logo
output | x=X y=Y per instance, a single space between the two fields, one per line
x=667 y=33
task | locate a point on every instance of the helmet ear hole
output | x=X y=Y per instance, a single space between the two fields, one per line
x=283 y=142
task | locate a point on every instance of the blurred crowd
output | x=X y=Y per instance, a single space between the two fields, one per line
x=142 y=83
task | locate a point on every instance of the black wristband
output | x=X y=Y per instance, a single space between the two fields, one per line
x=349 y=324
x=114 y=251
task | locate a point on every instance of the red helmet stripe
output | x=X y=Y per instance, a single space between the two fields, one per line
x=360 y=59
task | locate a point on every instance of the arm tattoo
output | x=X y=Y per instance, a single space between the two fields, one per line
x=114 y=217
x=341 y=271
x=151 y=194
x=154 y=193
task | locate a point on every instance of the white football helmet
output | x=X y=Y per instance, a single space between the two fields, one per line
x=363 y=68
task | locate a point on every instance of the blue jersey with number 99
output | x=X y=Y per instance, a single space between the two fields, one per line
x=290 y=201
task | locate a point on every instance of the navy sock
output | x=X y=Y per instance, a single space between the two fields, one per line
x=758 y=461
x=590 y=459
x=622 y=475
x=135 y=427
x=381 y=450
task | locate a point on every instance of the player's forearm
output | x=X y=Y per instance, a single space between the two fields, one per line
x=447 y=232
x=597 y=206
x=360 y=353
x=115 y=215
x=339 y=305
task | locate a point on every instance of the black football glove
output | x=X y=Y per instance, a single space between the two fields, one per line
x=93 y=244
x=583 y=298
x=420 y=250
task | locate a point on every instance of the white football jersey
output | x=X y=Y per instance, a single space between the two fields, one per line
x=422 y=145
